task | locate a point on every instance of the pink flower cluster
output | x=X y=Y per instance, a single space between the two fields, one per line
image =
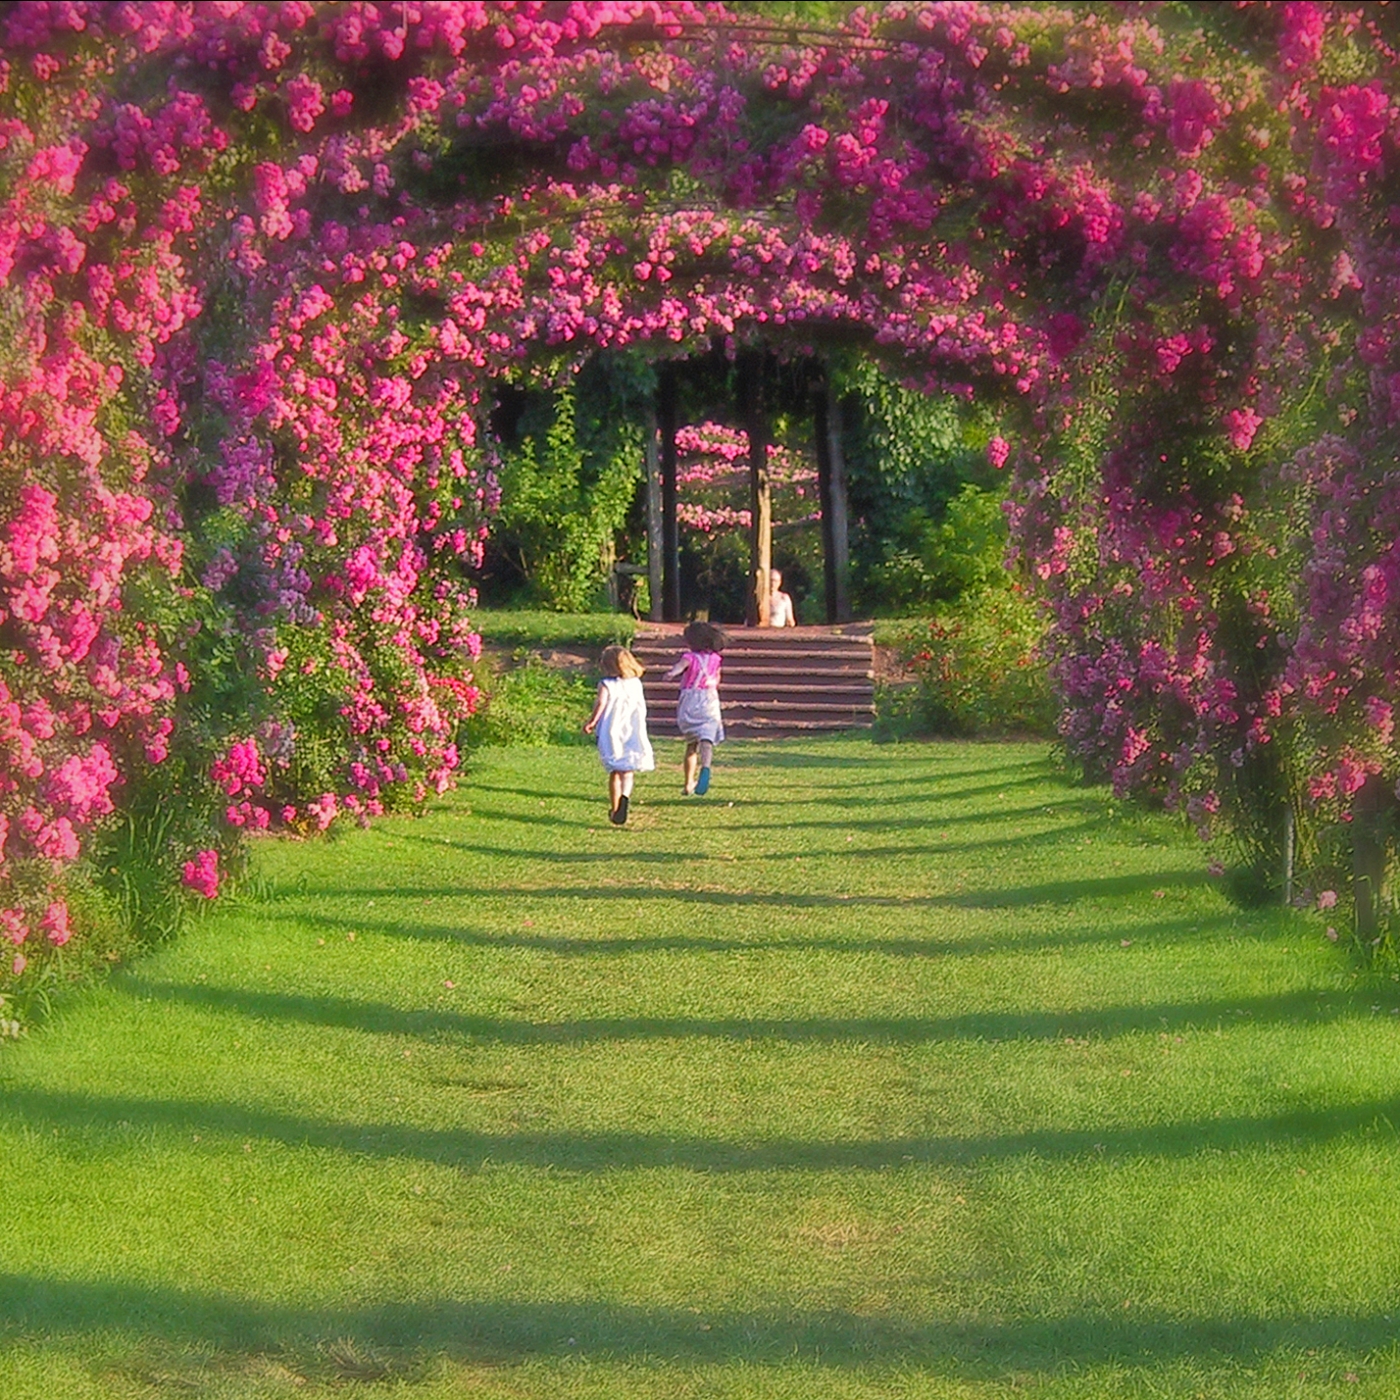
x=712 y=470
x=202 y=874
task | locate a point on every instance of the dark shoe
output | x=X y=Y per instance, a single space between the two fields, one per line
x=702 y=783
x=618 y=816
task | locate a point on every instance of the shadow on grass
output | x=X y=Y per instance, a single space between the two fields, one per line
x=922 y=820
x=504 y=1331
x=567 y=857
x=1164 y=933
x=469 y=787
x=1051 y=837
x=931 y=786
x=941 y=784
x=738 y=754
x=1056 y=892
x=527 y=818
x=932 y=756
x=97 y=1119
x=1103 y=1023
x=613 y=856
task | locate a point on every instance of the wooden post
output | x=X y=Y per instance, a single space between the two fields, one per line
x=831 y=485
x=1288 y=844
x=608 y=560
x=656 y=545
x=1368 y=809
x=751 y=375
x=670 y=528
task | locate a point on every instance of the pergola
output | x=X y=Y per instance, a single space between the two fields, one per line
x=755 y=417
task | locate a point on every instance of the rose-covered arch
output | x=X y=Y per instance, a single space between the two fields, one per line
x=264 y=263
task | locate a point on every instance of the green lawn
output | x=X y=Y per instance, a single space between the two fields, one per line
x=516 y=627
x=882 y=1071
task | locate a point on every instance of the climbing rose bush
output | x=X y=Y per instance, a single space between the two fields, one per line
x=1207 y=499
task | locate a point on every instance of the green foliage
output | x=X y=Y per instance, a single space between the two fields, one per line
x=109 y=931
x=925 y=505
x=529 y=705
x=170 y=811
x=715 y=573
x=537 y=630
x=943 y=559
x=142 y=856
x=978 y=668
x=909 y=457
x=568 y=481
x=543 y=521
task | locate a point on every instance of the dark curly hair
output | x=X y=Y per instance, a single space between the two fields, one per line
x=704 y=636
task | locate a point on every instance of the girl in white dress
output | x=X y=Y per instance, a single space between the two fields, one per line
x=620 y=720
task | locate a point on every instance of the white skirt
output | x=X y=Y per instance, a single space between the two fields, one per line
x=698 y=715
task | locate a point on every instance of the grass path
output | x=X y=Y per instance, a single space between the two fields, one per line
x=882 y=1071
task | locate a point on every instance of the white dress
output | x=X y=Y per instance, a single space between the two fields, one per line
x=622 y=727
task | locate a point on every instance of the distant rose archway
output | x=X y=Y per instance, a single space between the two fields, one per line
x=265 y=263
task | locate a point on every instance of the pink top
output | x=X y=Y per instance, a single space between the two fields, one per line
x=701 y=670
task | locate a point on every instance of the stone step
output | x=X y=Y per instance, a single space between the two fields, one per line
x=769 y=709
x=791 y=704
x=763 y=655
x=780 y=639
x=665 y=712
x=663 y=654
x=853 y=668
x=782 y=686
x=760 y=728
x=777 y=682
x=778 y=636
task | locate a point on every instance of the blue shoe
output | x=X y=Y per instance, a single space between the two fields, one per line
x=702 y=783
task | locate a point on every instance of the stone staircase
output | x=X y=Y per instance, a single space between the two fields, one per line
x=777 y=683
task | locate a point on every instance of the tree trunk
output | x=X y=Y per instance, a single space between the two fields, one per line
x=831 y=483
x=755 y=410
x=670 y=527
x=656 y=545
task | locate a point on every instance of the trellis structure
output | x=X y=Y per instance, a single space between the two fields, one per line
x=662 y=495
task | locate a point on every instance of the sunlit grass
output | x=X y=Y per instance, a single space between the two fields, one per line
x=882 y=1071
x=516 y=627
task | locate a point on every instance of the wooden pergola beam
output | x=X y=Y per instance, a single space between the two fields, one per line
x=670 y=526
x=831 y=486
x=655 y=514
x=754 y=410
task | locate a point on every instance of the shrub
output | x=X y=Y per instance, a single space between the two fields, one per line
x=531 y=705
x=979 y=670
x=566 y=487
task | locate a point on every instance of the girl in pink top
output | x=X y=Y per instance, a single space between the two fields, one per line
x=698 y=714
